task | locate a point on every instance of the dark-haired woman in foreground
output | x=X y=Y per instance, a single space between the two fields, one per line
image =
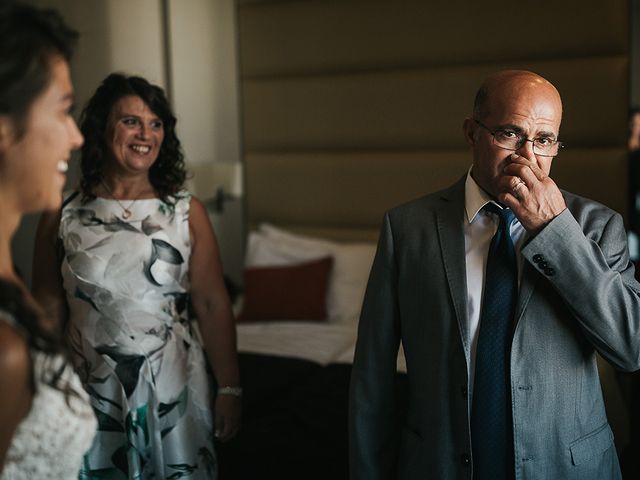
x=46 y=422
x=137 y=251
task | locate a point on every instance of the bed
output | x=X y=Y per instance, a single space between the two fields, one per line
x=296 y=336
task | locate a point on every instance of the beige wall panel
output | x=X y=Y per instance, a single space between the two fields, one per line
x=343 y=189
x=397 y=79
x=353 y=190
x=599 y=174
x=422 y=108
x=340 y=234
x=312 y=36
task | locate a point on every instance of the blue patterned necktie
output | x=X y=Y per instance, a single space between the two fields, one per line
x=491 y=422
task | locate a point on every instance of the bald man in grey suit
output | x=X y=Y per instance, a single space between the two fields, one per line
x=575 y=296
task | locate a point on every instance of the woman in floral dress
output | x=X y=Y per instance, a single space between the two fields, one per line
x=137 y=255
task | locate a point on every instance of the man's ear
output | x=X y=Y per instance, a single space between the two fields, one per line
x=469 y=129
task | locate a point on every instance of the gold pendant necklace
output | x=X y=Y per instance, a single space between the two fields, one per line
x=126 y=212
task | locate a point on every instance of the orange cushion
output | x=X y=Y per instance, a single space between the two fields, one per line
x=292 y=292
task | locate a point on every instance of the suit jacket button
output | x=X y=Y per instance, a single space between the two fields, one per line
x=537 y=258
x=465 y=459
x=543 y=265
x=549 y=271
x=464 y=391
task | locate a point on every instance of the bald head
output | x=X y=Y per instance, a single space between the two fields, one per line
x=512 y=103
x=502 y=87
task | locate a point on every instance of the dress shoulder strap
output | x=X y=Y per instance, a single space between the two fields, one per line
x=70 y=198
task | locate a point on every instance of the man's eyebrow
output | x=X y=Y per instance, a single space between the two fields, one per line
x=520 y=130
x=545 y=134
x=510 y=126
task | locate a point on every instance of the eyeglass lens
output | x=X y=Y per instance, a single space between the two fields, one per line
x=541 y=146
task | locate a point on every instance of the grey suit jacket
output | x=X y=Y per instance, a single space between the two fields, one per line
x=579 y=296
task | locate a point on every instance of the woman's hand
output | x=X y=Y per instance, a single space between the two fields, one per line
x=228 y=416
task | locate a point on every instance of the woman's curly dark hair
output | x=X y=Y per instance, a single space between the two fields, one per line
x=167 y=174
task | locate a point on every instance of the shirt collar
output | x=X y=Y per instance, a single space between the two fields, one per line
x=474 y=197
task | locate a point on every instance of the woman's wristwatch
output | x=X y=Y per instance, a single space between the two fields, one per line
x=233 y=391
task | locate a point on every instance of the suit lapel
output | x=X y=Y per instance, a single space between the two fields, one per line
x=527 y=284
x=449 y=218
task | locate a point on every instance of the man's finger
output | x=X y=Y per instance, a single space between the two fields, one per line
x=533 y=166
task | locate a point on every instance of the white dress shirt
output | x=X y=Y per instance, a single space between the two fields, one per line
x=479 y=229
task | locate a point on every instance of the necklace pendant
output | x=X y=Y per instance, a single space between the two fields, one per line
x=126 y=214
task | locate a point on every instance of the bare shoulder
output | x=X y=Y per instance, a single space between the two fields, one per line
x=197 y=210
x=15 y=384
x=15 y=360
x=199 y=225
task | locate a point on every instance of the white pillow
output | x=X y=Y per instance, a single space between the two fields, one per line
x=264 y=251
x=351 y=265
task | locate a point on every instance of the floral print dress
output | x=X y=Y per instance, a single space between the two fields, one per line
x=127 y=287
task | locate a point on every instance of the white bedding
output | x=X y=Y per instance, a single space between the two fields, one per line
x=271 y=246
x=319 y=342
x=324 y=342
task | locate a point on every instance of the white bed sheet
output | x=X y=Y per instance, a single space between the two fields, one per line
x=319 y=342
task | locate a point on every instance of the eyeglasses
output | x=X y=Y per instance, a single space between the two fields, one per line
x=512 y=140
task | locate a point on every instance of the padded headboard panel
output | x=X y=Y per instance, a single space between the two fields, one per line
x=351 y=107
